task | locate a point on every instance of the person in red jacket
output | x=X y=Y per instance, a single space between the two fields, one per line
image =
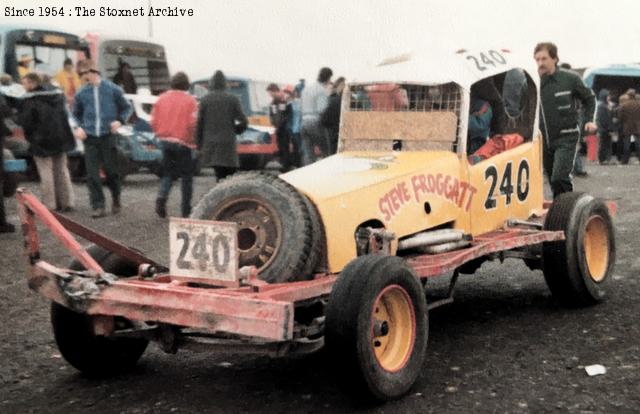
x=173 y=120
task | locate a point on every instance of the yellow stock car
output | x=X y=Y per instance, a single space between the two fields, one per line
x=404 y=200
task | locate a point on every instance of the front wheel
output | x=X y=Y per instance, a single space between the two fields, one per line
x=89 y=353
x=377 y=326
x=577 y=269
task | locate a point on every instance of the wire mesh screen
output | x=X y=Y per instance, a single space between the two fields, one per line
x=404 y=98
x=388 y=97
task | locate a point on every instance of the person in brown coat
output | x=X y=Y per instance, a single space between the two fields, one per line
x=629 y=115
x=220 y=118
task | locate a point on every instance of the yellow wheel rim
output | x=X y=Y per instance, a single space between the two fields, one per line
x=596 y=248
x=393 y=328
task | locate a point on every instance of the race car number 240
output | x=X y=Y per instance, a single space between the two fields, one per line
x=203 y=249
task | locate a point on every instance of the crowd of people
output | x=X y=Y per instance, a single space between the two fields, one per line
x=618 y=120
x=306 y=119
x=190 y=132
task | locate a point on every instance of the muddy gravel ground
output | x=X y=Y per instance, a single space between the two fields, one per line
x=503 y=346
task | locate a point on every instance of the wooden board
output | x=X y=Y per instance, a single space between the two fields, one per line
x=406 y=126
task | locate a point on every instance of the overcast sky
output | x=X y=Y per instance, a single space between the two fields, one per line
x=284 y=40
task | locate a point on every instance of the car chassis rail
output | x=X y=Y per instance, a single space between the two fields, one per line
x=254 y=317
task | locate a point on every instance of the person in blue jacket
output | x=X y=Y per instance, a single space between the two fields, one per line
x=100 y=108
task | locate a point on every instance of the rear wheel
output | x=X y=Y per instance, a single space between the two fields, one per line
x=93 y=354
x=377 y=326
x=577 y=269
x=274 y=224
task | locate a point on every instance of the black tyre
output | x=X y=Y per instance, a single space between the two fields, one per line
x=315 y=262
x=275 y=227
x=377 y=326
x=89 y=353
x=577 y=269
x=125 y=166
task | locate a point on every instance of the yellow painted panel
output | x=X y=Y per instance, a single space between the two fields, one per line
x=509 y=186
x=351 y=188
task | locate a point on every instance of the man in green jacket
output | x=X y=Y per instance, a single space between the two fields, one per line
x=559 y=116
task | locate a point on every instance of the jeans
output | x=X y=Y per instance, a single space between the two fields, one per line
x=102 y=152
x=312 y=134
x=295 y=155
x=177 y=161
x=284 y=150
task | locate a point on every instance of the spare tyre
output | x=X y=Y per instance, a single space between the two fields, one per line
x=275 y=226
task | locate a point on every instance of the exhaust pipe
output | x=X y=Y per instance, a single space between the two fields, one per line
x=429 y=238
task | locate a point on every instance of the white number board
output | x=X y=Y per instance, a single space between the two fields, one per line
x=203 y=249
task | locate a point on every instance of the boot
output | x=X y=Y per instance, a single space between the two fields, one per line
x=161 y=207
x=116 y=207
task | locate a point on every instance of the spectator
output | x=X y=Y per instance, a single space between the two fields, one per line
x=605 y=125
x=294 y=123
x=331 y=115
x=279 y=114
x=100 y=109
x=387 y=97
x=5 y=112
x=68 y=80
x=313 y=103
x=173 y=120
x=629 y=115
x=124 y=78
x=43 y=118
x=220 y=118
x=559 y=116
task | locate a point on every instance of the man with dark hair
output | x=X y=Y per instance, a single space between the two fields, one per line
x=43 y=118
x=629 y=115
x=124 y=78
x=559 y=117
x=173 y=120
x=100 y=109
x=220 y=118
x=315 y=98
x=330 y=118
